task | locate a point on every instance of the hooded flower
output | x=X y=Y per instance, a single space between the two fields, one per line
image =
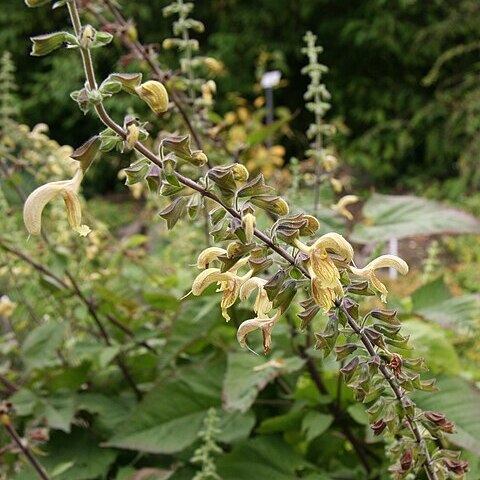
x=265 y=324
x=154 y=94
x=228 y=282
x=209 y=255
x=325 y=281
x=39 y=198
x=343 y=203
x=384 y=261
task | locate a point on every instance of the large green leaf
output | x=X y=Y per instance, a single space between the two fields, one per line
x=392 y=216
x=315 y=423
x=76 y=456
x=435 y=303
x=194 y=321
x=40 y=347
x=248 y=374
x=171 y=414
x=109 y=411
x=431 y=343
x=266 y=457
x=459 y=401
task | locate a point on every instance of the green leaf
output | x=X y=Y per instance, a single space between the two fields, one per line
x=430 y=294
x=110 y=411
x=36 y=3
x=391 y=216
x=128 y=81
x=44 y=44
x=59 y=411
x=173 y=212
x=101 y=39
x=196 y=319
x=315 y=423
x=40 y=347
x=24 y=401
x=170 y=416
x=358 y=412
x=431 y=343
x=261 y=458
x=82 y=448
x=435 y=303
x=246 y=376
x=282 y=423
x=459 y=401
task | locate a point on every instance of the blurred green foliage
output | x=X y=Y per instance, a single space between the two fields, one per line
x=396 y=127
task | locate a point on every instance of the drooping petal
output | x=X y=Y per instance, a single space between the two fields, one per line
x=74 y=210
x=209 y=255
x=384 y=261
x=35 y=204
x=265 y=324
x=230 y=294
x=262 y=305
x=39 y=198
x=324 y=297
x=209 y=276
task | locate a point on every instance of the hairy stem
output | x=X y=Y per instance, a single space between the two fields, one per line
x=398 y=391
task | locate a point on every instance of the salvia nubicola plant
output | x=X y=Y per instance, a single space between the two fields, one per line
x=274 y=265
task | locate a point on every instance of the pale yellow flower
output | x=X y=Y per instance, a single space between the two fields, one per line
x=39 y=198
x=262 y=305
x=343 y=203
x=325 y=277
x=264 y=324
x=228 y=282
x=209 y=255
x=384 y=261
x=154 y=94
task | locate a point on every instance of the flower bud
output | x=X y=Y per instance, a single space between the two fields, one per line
x=213 y=65
x=199 y=158
x=154 y=94
x=336 y=185
x=329 y=162
x=249 y=222
x=132 y=33
x=167 y=44
x=240 y=173
x=87 y=37
x=130 y=124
